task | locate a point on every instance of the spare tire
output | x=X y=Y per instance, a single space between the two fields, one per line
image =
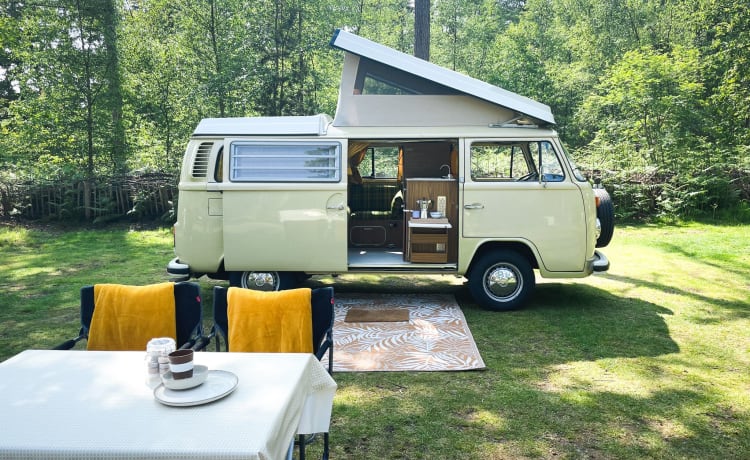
x=605 y=212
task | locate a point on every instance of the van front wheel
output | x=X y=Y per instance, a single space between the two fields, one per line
x=501 y=280
x=263 y=281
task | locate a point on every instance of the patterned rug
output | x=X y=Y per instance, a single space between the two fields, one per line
x=436 y=337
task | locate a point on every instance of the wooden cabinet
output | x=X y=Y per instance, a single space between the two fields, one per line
x=431 y=189
x=427 y=240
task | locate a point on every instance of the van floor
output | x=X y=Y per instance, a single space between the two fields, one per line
x=376 y=257
x=391 y=259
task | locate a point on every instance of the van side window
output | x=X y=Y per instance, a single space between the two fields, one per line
x=284 y=162
x=380 y=163
x=517 y=161
x=498 y=161
x=375 y=78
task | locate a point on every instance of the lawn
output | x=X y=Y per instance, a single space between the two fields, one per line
x=647 y=361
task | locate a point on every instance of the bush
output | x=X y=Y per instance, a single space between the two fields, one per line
x=647 y=193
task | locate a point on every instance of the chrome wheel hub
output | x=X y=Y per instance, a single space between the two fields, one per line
x=503 y=282
x=260 y=281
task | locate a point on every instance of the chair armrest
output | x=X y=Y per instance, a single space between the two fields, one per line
x=202 y=342
x=327 y=345
x=189 y=344
x=68 y=344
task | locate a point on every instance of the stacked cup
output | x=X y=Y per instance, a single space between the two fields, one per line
x=181 y=364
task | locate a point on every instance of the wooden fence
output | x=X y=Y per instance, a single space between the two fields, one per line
x=145 y=196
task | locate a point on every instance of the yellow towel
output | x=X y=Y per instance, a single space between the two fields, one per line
x=270 y=322
x=127 y=317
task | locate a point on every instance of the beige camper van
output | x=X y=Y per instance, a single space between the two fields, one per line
x=422 y=171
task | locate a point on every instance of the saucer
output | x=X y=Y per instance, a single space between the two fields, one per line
x=218 y=385
x=199 y=376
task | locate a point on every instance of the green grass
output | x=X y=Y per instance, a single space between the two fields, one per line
x=647 y=361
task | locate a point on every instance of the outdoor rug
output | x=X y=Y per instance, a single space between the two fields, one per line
x=434 y=338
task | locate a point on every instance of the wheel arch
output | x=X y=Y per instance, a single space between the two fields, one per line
x=519 y=247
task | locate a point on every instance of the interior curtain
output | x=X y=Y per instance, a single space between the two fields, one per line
x=454 y=160
x=357 y=152
x=400 y=174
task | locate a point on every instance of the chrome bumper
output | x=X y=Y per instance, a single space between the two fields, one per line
x=177 y=270
x=601 y=263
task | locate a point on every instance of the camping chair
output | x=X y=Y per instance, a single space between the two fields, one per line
x=322 y=302
x=188 y=317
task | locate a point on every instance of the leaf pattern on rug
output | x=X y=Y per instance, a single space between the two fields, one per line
x=436 y=338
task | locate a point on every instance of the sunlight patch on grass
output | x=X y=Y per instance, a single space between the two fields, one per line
x=570 y=378
x=12 y=236
x=669 y=429
x=21 y=272
x=484 y=419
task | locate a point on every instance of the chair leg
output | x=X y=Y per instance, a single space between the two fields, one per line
x=304 y=440
x=301 y=447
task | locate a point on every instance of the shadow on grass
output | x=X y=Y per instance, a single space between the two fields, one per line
x=731 y=309
x=511 y=410
x=577 y=321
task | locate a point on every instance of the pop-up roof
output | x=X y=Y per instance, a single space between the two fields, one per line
x=384 y=87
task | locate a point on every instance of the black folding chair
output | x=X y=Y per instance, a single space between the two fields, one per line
x=188 y=316
x=322 y=303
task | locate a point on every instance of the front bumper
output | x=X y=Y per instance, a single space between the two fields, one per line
x=177 y=270
x=601 y=263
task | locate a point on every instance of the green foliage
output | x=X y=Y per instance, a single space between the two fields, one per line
x=718 y=193
x=648 y=101
x=728 y=51
x=101 y=87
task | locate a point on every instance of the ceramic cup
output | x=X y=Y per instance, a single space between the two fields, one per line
x=181 y=364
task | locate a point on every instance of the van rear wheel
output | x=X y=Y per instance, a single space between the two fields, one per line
x=263 y=281
x=501 y=280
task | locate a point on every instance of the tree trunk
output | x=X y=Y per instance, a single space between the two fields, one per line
x=87 y=198
x=218 y=66
x=422 y=29
x=114 y=99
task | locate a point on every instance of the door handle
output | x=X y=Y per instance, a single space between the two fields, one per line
x=339 y=207
x=474 y=206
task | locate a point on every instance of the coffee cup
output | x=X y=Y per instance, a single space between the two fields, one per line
x=181 y=364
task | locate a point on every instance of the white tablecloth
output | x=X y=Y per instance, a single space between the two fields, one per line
x=90 y=404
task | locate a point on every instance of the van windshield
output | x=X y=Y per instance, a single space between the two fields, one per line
x=580 y=177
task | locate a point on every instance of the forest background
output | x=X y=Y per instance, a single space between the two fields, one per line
x=652 y=97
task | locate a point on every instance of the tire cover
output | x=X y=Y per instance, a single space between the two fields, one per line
x=606 y=214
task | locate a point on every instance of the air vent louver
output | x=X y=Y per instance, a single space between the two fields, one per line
x=200 y=164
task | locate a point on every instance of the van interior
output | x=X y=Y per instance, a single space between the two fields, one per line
x=387 y=181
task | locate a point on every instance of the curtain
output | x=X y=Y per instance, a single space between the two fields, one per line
x=357 y=152
x=400 y=174
x=454 y=161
